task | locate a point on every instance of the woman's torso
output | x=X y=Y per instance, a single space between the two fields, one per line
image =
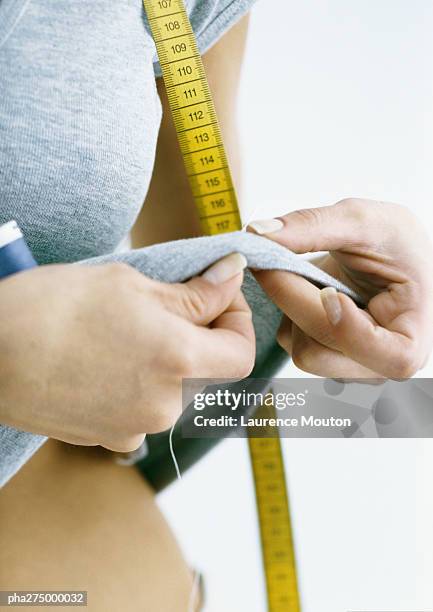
x=79 y=118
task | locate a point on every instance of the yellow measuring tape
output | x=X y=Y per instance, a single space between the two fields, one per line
x=211 y=183
x=274 y=516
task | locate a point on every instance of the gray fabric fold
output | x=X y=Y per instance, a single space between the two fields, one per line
x=176 y=262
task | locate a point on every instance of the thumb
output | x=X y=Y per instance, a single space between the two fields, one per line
x=328 y=228
x=202 y=299
x=393 y=353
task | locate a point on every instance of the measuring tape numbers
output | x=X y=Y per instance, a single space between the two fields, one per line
x=194 y=116
x=209 y=175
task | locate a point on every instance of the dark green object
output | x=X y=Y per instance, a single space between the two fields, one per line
x=158 y=468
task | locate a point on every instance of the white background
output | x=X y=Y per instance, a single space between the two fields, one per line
x=336 y=101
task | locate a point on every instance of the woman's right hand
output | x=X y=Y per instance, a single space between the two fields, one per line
x=96 y=355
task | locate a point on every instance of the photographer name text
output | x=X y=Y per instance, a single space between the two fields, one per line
x=245 y=421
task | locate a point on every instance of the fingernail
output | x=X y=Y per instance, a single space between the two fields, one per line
x=225 y=269
x=267 y=226
x=331 y=304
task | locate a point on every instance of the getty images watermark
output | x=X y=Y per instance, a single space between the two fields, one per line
x=43 y=598
x=307 y=408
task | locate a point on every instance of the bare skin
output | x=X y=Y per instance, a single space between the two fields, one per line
x=72 y=518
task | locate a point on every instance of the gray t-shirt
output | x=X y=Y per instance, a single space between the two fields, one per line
x=79 y=117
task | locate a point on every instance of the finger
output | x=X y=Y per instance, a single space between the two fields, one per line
x=236 y=318
x=328 y=228
x=124 y=444
x=74 y=440
x=285 y=335
x=202 y=299
x=227 y=349
x=314 y=358
x=390 y=353
x=300 y=301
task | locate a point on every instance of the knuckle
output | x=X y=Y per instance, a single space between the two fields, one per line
x=401 y=209
x=193 y=302
x=352 y=203
x=122 y=276
x=118 y=269
x=299 y=360
x=284 y=337
x=311 y=216
x=178 y=356
x=164 y=418
x=284 y=341
x=185 y=365
x=123 y=444
x=159 y=413
x=405 y=365
x=362 y=210
x=303 y=355
x=246 y=368
x=357 y=208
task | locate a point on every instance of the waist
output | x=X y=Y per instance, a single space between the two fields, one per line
x=73 y=519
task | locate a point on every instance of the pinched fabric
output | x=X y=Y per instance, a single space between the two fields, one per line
x=176 y=262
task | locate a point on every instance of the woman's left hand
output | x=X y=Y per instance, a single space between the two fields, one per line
x=382 y=252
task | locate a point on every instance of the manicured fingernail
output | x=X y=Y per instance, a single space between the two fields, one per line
x=225 y=269
x=267 y=226
x=331 y=304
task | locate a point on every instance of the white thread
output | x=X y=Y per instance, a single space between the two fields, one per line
x=252 y=216
x=196 y=580
x=194 y=591
x=173 y=456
